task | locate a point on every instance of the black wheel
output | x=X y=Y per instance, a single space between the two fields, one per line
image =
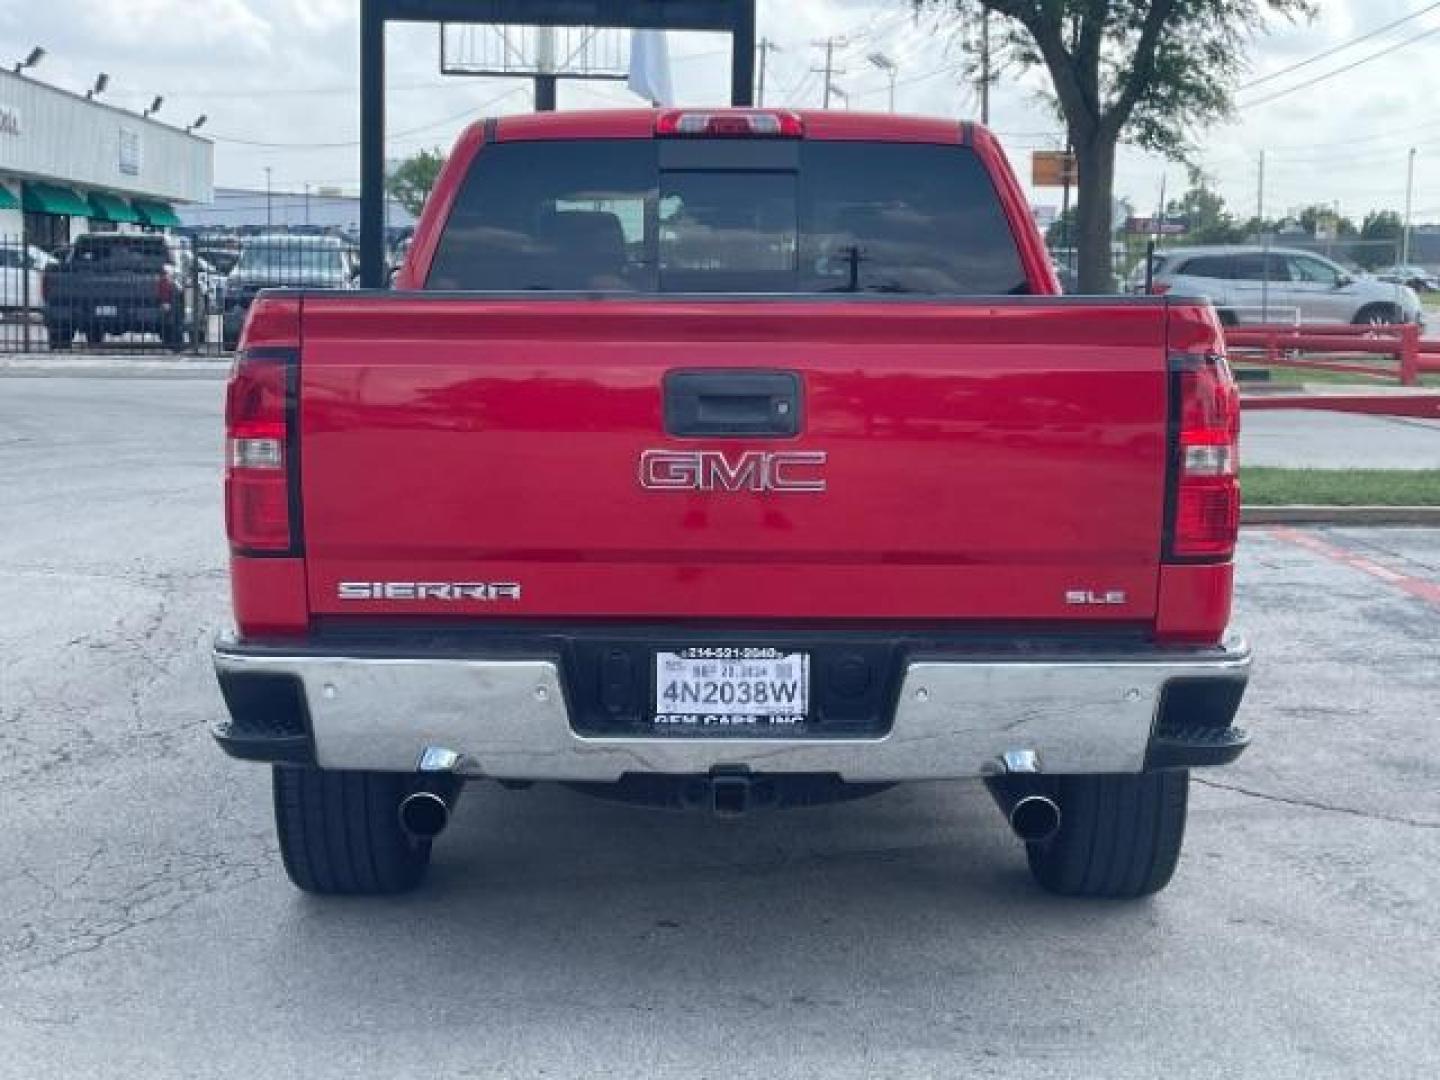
x=1120 y=836
x=340 y=832
x=1227 y=318
x=94 y=336
x=59 y=336
x=1378 y=315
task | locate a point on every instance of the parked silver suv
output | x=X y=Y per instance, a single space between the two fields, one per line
x=1253 y=284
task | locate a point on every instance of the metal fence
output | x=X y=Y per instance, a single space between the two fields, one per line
x=1127 y=254
x=151 y=292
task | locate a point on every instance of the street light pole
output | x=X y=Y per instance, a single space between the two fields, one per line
x=1409 y=203
x=269 y=208
x=766 y=47
x=1260 y=194
x=985 y=67
x=885 y=64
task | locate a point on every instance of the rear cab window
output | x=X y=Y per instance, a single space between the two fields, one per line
x=728 y=216
x=120 y=252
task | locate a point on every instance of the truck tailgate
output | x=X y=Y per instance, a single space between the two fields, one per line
x=473 y=456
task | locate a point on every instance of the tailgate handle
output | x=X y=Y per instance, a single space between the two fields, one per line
x=732 y=402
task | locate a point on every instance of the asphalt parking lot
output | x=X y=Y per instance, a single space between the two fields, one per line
x=146 y=928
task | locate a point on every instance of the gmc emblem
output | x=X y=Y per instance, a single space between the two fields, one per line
x=715 y=470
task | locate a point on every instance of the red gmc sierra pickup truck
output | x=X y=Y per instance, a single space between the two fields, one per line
x=730 y=459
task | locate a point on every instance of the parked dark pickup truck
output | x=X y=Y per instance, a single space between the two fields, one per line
x=124 y=283
x=731 y=459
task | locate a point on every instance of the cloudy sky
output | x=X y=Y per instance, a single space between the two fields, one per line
x=277 y=79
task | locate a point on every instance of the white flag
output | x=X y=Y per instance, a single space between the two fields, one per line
x=650 y=67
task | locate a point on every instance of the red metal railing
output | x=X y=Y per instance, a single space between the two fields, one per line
x=1296 y=346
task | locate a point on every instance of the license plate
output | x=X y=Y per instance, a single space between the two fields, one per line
x=107 y=309
x=725 y=687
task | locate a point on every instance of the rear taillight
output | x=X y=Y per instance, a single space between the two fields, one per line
x=1205 y=492
x=260 y=465
x=775 y=123
x=1158 y=288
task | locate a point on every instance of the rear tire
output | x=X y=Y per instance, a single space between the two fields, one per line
x=340 y=832
x=1379 y=315
x=95 y=337
x=59 y=337
x=1120 y=836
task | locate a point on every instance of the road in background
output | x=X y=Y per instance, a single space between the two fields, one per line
x=146 y=928
x=1312 y=439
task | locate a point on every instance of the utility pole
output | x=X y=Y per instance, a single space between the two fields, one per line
x=269 y=210
x=1409 y=203
x=307 y=202
x=830 y=44
x=766 y=47
x=1260 y=194
x=985 y=67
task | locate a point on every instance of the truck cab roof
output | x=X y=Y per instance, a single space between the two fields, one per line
x=813 y=124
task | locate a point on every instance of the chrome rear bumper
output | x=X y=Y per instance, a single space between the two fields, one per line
x=508 y=718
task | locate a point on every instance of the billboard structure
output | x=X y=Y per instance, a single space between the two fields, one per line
x=735 y=17
x=542 y=53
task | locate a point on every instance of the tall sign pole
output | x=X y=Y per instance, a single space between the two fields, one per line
x=742 y=54
x=546 y=83
x=372 y=144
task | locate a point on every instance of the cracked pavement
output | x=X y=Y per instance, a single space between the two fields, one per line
x=146 y=928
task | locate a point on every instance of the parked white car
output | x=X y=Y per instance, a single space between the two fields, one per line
x=1417 y=277
x=1253 y=284
x=15 y=266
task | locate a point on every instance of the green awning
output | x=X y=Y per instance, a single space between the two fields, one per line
x=156 y=213
x=107 y=207
x=7 y=199
x=53 y=199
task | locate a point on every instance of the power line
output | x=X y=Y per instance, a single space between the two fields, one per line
x=1339 y=71
x=944 y=69
x=469 y=112
x=1339 y=48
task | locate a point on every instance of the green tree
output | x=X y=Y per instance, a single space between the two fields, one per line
x=1383 y=229
x=1322 y=218
x=1149 y=71
x=1061 y=232
x=409 y=183
x=1206 y=216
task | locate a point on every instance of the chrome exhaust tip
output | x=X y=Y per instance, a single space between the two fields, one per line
x=426 y=811
x=1035 y=818
x=1016 y=785
x=424 y=814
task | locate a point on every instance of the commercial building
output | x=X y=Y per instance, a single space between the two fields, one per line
x=251 y=210
x=69 y=165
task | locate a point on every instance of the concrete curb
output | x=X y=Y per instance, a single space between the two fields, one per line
x=1341 y=515
x=25 y=366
